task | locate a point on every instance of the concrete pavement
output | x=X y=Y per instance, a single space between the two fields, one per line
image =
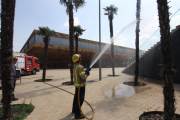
x=110 y=98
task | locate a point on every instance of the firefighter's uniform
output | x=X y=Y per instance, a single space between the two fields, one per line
x=79 y=80
x=79 y=75
x=13 y=73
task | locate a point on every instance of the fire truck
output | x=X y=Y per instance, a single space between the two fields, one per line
x=27 y=64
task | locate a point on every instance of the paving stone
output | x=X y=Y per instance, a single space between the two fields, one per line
x=54 y=104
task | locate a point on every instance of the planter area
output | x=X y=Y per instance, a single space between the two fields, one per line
x=156 y=115
x=18 y=111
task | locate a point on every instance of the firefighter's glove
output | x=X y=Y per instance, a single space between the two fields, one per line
x=87 y=71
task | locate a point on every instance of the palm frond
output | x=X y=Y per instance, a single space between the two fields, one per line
x=106 y=14
x=111 y=10
x=78 y=3
x=106 y=9
x=65 y=2
x=45 y=31
x=67 y=10
x=78 y=30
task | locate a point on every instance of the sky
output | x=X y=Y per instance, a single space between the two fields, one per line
x=32 y=14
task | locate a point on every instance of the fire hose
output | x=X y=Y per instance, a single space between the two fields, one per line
x=78 y=97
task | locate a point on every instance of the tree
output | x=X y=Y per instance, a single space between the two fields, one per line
x=71 y=4
x=46 y=32
x=167 y=59
x=77 y=32
x=7 y=26
x=110 y=11
x=138 y=7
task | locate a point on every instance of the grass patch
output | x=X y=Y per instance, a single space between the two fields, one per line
x=19 y=111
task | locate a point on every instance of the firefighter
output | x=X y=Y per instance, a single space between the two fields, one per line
x=79 y=75
x=13 y=73
x=14 y=76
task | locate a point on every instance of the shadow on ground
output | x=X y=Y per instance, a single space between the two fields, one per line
x=70 y=116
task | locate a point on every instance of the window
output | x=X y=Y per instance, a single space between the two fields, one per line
x=29 y=61
x=36 y=61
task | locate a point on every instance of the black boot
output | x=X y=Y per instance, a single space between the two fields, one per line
x=13 y=98
x=79 y=117
x=2 y=101
x=73 y=111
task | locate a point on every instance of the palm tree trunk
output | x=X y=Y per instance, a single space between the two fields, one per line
x=112 y=45
x=76 y=39
x=46 y=41
x=137 y=43
x=167 y=60
x=7 y=24
x=71 y=44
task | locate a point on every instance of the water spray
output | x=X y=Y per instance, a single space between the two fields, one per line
x=111 y=40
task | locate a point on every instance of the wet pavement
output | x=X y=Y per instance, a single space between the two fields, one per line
x=110 y=98
x=123 y=91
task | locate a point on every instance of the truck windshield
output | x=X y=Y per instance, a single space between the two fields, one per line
x=29 y=61
x=36 y=61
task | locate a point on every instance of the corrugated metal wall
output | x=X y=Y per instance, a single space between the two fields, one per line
x=65 y=42
x=31 y=41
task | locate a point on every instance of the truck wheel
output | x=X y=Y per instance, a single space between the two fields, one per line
x=34 y=72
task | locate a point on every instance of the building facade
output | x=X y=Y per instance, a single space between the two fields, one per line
x=58 y=51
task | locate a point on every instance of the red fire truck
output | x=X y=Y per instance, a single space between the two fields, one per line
x=27 y=64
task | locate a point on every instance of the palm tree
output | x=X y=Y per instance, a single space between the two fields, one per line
x=70 y=4
x=167 y=59
x=110 y=11
x=7 y=24
x=46 y=32
x=138 y=7
x=77 y=32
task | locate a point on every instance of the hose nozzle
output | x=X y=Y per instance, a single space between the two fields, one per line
x=87 y=71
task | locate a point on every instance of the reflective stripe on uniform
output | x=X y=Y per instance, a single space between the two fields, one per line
x=81 y=73
x=76 y=84
x=81 y=84
x=75 y=73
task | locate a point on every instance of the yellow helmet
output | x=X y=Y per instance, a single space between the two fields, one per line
x=76 y=58
x=15 y=57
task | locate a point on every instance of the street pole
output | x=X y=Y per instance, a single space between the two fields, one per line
x=100 y=61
